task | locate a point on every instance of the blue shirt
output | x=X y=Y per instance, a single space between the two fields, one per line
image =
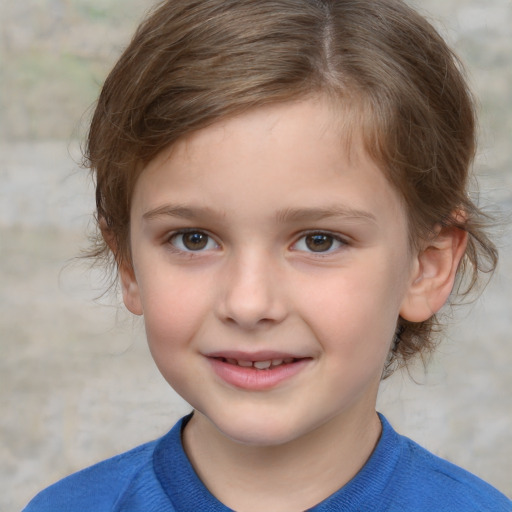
x=158 y=477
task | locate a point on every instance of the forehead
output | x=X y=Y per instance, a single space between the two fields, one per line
x=278 y=156
x=313 y=116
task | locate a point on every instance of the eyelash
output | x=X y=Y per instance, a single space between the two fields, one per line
x=335 y=240
x=192 y=231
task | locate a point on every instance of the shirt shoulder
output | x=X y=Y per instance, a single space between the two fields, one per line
x=99 y=487
x=401 y=476
x=425 y=481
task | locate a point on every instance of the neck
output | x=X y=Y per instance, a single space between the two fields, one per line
x=284 y=478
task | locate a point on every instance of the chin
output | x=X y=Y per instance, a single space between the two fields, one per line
x=259 y=431
x=261 y=439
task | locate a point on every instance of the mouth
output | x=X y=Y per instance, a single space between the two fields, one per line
x=258 y=371
x=267 y=364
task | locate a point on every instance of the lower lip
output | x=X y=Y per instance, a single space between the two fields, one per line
x=253 y=379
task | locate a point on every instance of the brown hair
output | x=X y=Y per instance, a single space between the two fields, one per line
x=192 y=62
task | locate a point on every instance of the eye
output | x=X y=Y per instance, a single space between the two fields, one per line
x=318 y=242
x=192 y=241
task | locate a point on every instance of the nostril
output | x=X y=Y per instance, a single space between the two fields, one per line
x=249 y=297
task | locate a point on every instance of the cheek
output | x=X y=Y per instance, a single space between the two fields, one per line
x=354 y=315
x=173 y=309
x=173 y=316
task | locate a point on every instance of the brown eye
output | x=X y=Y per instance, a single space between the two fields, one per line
x=195 y=241
x=192 y=241
x=319 y=242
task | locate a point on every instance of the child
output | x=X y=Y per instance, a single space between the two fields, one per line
x=282 y=185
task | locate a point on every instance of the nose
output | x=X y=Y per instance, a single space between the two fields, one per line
x=252 y=295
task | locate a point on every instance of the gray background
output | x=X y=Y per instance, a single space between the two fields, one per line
x=76 y=380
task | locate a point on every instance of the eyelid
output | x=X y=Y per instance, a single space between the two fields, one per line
x=183 y=231
x=343 y=241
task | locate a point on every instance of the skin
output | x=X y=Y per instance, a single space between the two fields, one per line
x=252 y=189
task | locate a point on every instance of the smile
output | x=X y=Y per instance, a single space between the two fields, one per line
x=260 y=365
x=260 y=372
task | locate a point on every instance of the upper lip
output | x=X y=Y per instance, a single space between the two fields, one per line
x=262 y=355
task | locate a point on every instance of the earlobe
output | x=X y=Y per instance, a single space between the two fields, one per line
x=130 y=289
x=433 y=274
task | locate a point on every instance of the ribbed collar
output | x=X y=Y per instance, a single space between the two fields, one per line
x=188 y=494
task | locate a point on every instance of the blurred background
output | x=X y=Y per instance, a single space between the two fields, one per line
x=77 y=383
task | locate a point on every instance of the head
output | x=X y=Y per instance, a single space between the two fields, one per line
x=386 y=72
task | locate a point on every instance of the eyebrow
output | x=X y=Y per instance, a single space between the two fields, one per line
x=282 y=216
x=180 y=211
x=321 y=213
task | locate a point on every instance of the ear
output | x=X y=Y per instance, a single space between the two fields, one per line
x=129 y=286
x=433 y=276
x=130 y=289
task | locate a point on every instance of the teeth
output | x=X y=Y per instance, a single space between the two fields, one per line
x=262 y=365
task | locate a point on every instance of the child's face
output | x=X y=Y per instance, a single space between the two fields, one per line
x=258 y=239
